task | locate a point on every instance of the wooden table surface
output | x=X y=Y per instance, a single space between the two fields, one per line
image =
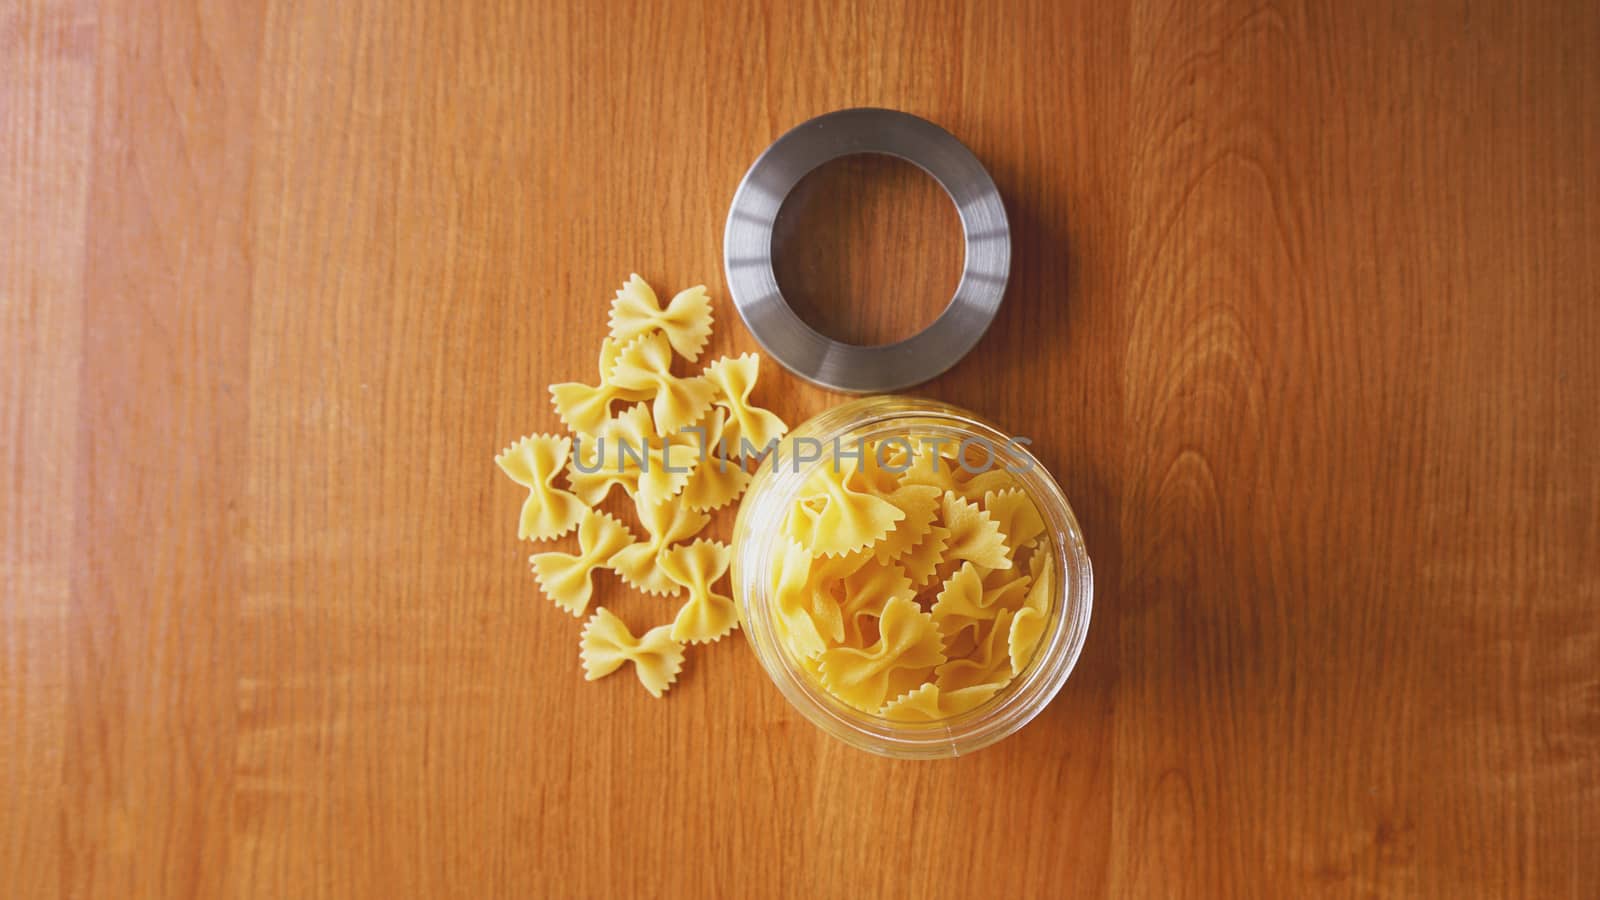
x=1304 y=316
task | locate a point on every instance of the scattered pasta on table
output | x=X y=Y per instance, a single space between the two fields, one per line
x=674 y=448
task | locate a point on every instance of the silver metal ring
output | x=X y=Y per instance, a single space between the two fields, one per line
x=747 y=251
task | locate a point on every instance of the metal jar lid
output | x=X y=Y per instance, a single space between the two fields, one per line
x=747 y=251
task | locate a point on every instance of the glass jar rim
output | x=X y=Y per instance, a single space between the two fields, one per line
x=772 y=490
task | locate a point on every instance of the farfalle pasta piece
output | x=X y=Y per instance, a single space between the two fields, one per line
x=1006 y=588
x=866 y=592
x=885 y=461
x=598 y=462
x=645 y=365
x=974 y=536
x=830 y=518
x=990 y=663
x=665 y=463
x=748 y=425
x=793 y=600
x=585 y=407
x=533 y=463
x=686 y=322
x=706 y=615
x=938 y=464
x=591 y=473
x=627 y=451
x=920 y=504
x=959 y=604
x=965 y=601
x=1030 y=622
x=909 y=649
x=807 y=589
x=639 y=564
x=567 y=578
x=962 y=645
x=926 y=466
x=929 y=704
x=716 y=480
x=867 y=474
x=976 y=486
x=921 y=561
x=607 y=644
x=1015 y=514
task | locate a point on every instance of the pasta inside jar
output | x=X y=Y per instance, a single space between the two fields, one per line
x=910 y=577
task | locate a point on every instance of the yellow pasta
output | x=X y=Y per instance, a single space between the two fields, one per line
x=831 y=518
x=686 y=322
x=639 y=564
x=1032 y=619
x=920 y=505
x=866 y=592
x=716 y=480
x=628 y=452
x=903 y=596
x=990 y=663
x=962 y=645
x=748 y=424
x=793 y=602
x=607 y=643
x=598 y=462
x=1016 y=516
x=661 y=450
x=663 y=463
x=1006 y=588
x=928 y=467
x=922 y=560
x=585 y=407
x=974 y=536
x=980 y=485
x=929 y=704
x=533 y=463
x=889 y=456
x=966 y=600
x=568 y=578
x=645 y=365
x=808 y=589
x=706 y=615
x=907 y=651
x=940 y=467
x=592 y=481
x=960 y=603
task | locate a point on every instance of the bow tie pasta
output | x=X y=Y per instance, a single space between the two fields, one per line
x=607 y=644
x=568 y=578
x=908 y=650
x=750 y=427
x=903 y=591
x=706 y=615
x=674 y=451
x=685 y=323
x=533 y=463
x=908 y=583
x=645 y=365
x=584 y=407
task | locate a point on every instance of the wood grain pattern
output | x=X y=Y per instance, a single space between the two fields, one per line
x=1303 y=316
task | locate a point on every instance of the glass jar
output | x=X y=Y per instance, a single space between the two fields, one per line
x=757 y=547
